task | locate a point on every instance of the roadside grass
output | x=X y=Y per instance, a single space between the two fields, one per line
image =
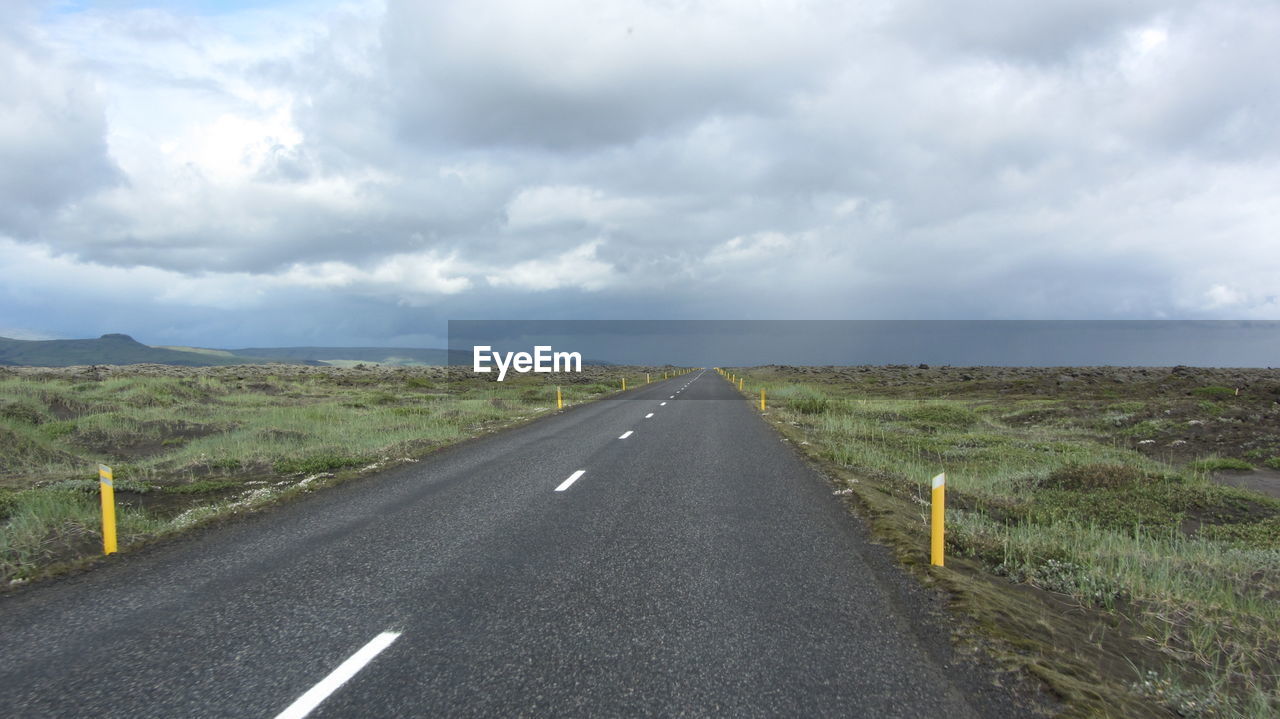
x=1212 y=464
x=42 y=527
x=207 y=442
x=1059 y=502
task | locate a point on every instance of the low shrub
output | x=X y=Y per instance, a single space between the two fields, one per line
x=809 y=402
x=1093 y=476
x=1214 y=464
x=941 y=416
x=203 y=486
x=1145 y=429
x=413 y=410
x=8 y=501
x=1127 y=407
x=317 y=463
x=21 y=412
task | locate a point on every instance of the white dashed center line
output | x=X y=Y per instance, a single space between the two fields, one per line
x=569 y=482
x=647 y=416
x=318 y=693
x=626 y=434
x=663 y=404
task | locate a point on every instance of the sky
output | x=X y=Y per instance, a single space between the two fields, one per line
x=231 y=173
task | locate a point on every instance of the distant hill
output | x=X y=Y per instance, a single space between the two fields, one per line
x=114 y=349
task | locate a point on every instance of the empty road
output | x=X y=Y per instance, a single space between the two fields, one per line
x=659 y=555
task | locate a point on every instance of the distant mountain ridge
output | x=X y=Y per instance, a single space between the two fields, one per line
x=107 y=349
x=121 y=349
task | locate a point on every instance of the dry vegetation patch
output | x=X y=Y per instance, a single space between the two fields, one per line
x=191 y=444
x=1090 y=531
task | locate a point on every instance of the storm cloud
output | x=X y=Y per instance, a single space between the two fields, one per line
x=361 y=172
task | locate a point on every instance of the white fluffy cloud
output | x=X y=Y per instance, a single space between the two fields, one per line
x=795 y=159
x=578 y=268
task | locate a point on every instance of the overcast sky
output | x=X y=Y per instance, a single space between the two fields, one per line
x=252 y=173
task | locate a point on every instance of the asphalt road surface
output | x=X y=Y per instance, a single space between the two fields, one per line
x=660 y=555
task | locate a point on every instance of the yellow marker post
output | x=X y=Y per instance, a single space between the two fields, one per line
x=739 y=384
x=939 y=511
x=624 y=384
x=107 y=488
x=559 y=399
x=646 y=378
x=761 y=399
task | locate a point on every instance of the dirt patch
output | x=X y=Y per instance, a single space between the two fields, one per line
x=1235 y=512
x=61 y=410
x=1263 y=481
x=164 y=503
x=68 y=544
x=152 y=438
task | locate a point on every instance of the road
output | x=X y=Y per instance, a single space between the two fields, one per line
x=693 y=566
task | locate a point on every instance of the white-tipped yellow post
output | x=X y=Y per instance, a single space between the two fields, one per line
x=939 y=512
x=559 y=399
x=739 y=384
x=646 y=378
x=761 y=399
x=106 y=486
x=624 y=384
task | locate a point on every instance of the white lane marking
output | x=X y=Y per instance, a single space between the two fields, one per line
x=647 y=416
x=672 y=397
x=626 y=434
x=318 y=693
x=569 y=482
x=662 y=404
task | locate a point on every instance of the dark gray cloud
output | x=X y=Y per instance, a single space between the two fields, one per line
x=572 y=75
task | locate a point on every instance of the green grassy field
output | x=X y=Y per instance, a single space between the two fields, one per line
x=1111 y=564
x=191 y=444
